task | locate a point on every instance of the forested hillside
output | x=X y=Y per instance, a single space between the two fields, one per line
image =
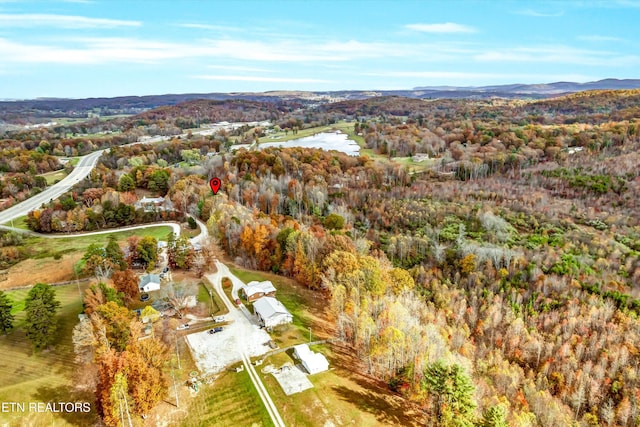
x=496 y=280
x=521 y=267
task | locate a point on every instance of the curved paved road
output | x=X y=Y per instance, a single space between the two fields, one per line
x=82 y=169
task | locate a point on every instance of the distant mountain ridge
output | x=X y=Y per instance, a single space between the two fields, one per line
x=555 y=88
x=35 y=110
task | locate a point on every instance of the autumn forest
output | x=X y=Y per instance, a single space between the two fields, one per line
x=481 y=257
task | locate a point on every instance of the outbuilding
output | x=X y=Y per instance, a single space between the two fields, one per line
x=271 y=312
x=312 y=362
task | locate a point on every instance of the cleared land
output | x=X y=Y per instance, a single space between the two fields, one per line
x=231 y=401
x=340 y=396
x=55 y=176
x=53 y=260
x=46 y=376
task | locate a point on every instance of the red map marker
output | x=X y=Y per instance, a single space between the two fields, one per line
x=215 y=185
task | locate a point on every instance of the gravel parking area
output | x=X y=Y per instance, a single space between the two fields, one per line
x=242 y=334
x=213 y=352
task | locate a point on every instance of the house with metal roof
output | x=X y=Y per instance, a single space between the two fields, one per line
x=270 y=312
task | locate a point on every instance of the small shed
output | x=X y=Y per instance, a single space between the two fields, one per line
x=271 y=312
x=313 y=362
x=149 y=283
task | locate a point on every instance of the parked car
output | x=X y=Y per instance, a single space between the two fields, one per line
x=165 y=269
x=215 y=330
x=238 y=302
x=182 y=327
x=144 y=297
x=219 y=319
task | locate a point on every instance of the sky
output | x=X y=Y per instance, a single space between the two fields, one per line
x=106 y=48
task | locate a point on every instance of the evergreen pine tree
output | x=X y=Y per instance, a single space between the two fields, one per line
x=453 y=392
x=41 y=324
x=6 y=318
x=495 y=416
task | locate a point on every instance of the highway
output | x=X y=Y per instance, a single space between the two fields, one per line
x=82 y=169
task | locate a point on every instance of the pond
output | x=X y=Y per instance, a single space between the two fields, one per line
x=325 y=140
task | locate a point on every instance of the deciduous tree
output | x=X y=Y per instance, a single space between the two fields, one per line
x=126 y=282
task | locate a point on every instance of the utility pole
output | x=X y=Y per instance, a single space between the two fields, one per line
x=175 y=389
x=177 y=351
x=211 y=296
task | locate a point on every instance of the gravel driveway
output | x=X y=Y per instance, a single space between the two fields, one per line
x=213 y=352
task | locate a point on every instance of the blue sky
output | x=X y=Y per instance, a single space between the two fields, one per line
x=87 y=48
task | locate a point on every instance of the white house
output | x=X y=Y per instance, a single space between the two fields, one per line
x=271 y=312
x=154 y=204
x=254 y=290
x=149 y=283
x=312 y=362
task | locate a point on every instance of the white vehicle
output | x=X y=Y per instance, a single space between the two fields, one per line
x=183 y=327
x=218 y=319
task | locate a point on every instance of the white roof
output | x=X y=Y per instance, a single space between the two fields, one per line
x=256 y=287
x=269 y=307
x=146 y=199
x=313 y=362
x=302 y=349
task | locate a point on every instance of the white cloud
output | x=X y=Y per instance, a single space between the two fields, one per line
x=30 y=20
x=448 y=27
x=597 y=38
x=531 y=12
x=222 y=28
x=556 y=54
x=103 y=50
x=239 y=68
x=463 y=76
x=262 y=79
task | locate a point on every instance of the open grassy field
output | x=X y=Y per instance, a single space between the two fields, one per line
x=55 y=176
x=53 y=260
x=230 y=401
x=42 y=377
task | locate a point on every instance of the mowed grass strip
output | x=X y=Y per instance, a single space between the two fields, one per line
x=44 y=247
x=230 y=401
x=46 y=376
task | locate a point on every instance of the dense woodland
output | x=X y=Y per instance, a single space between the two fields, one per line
x=498 y=285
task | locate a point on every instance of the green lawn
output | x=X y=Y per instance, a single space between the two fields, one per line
x=19 y=222
x=218 y=307
x=45 y=247
x=230 y=401
x=55 y=176
x=338 y=396
x=42 y=377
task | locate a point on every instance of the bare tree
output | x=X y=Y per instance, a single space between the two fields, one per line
x=180 y=295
